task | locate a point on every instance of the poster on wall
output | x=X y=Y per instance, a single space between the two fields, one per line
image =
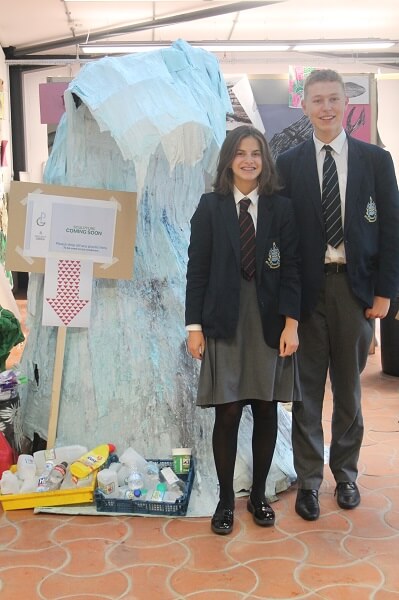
x=244 y=104
x=296 y=78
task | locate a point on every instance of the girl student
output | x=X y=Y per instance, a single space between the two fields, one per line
x=242 y=310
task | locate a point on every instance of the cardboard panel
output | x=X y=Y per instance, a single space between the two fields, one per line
x=125 y=233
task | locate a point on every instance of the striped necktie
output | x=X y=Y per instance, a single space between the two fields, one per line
x=247 y=240
x=331 y=200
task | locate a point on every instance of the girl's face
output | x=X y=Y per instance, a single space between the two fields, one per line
x=247 y=165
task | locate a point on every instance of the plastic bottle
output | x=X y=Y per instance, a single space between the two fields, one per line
x=56 y=476
x=26 y=467
x=43 y=477
x=91 y=461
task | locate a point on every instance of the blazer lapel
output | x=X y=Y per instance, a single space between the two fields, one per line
x=230 y=221
x=353 y=185
x=308 y=167
x=264 y=221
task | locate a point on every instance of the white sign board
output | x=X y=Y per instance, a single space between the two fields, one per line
x=69 y=228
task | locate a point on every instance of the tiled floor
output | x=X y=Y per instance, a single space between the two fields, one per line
x=345 y=555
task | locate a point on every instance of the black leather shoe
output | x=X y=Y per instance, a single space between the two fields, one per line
x=348 y=495
x=262 y=513
x=307 y=504
x=222 y=521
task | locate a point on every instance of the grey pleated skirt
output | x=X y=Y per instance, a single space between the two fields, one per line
x=245 y=367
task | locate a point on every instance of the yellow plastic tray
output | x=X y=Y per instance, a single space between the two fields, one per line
x=56 y=498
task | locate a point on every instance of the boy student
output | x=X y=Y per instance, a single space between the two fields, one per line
x=346 y=202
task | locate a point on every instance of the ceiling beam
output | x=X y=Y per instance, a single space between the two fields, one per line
x=144 y=26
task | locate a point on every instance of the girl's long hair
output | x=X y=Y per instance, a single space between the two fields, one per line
x=224 y=182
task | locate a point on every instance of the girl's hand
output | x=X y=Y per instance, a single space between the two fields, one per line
x=289 y=341
x=196 y=344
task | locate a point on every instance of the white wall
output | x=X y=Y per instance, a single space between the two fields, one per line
x=35 y=132
x=5 y=129
x=388 y=102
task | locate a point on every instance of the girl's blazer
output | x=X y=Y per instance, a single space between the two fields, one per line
x=213 y=271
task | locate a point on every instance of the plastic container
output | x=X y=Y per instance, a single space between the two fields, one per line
x=133 y=460
x=26 y=467
x=149 y=507
x=107 y=481
x=91 y=461
x=57 y=455
x=77 y=495
x=181 y=460
x=9 y=483
x=6 y=454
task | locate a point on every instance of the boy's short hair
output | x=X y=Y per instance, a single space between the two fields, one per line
x=320 y=75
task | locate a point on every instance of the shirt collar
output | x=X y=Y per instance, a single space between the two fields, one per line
x=253 y=196
x=337 y=144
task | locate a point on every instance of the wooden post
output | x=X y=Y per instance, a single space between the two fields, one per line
x=56 y=389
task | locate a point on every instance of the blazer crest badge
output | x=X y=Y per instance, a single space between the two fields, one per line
x=273 y=260
x=371 y=211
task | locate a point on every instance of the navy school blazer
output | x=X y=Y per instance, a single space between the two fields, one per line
x=213 y=270
x=371 y=225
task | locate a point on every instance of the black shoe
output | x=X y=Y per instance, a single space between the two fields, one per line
x=262 y=513
x=223 y=519
x=348 y=495
x=307 y=504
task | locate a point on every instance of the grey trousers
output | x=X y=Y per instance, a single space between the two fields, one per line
x=336 y=338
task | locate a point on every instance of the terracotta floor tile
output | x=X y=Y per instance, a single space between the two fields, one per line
x=347 y=592
x=356 y=574
x=21 y=582
x=108 y=530
x=244 y=552
x=150 y=582
x=272 y=584
x=170 y=555
x=114 y=584
x=238 y=578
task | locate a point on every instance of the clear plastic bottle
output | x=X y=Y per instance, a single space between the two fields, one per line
x=43 y=477
x=56 y=476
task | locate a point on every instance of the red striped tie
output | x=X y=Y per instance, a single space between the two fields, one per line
x=247 y=240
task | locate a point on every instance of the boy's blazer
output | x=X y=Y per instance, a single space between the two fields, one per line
x=371 y=224
x=214 y=275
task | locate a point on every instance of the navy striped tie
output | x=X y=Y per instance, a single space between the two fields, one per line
x=247 y=240
x=331 y=200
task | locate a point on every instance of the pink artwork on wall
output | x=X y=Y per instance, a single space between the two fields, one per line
x=3 y=158
x=357 y=121
x=52 y=106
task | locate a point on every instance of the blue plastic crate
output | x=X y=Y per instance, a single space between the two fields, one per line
x=149 y=507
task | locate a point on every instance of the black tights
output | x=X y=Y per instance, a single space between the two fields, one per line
x=224 y=440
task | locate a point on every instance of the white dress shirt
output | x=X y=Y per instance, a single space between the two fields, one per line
x=340 y=154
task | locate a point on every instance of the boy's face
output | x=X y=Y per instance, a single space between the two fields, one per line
x=325 y=105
